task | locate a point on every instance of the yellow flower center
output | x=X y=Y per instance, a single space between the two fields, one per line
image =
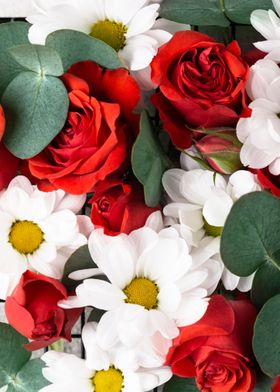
x=110 y=380
x=213 y=231
x=111 y=32
x=26 y=236
x=142 y=291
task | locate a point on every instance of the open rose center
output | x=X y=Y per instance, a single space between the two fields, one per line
x=110 y=32
x=26 y=236
x=104 y=205
x=216 y=374
x=110 y=380
x=143 y=292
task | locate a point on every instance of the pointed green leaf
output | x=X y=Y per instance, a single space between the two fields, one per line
x=194 y=12
x=75 y=46
x=266 y=340
x=149 y=161
x=178 y=384
x=36 y=109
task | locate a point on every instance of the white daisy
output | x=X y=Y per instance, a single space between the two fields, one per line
x=38 y=231
x=260 y=133
x=200 y=202
x=103 y=371
x=152 y=286
x=127 y=25
x=267 y=23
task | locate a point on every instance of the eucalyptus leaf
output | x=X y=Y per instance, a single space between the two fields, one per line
x=29 y=378
x=13 y=355
x=263 y=383
x=178 y=384
x=149 y=161
x=36 y=107
x=38 y=58
x=13 y=34
x=195 y=12
x=251 y=234
x=266 y=340
x=75 y=46
x=266 y=284
x=239 y=11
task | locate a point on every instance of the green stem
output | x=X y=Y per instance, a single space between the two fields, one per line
x=57 y=346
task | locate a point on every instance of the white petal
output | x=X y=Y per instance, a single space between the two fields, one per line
x=162 y=323
x=217 y=208
x=96 y=357
x=169 y=298
x=171 y=181
x=143 y=20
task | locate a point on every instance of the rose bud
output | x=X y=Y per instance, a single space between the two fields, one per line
x=222 y=151
x=33 y=311
x=217 y=350
x=119 y=207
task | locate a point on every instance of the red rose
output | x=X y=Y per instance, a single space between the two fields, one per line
x=276 y=385
x=119 y=207
x=217 y=349
x=202 y=84
x=97 y=136
x=33 y=311
x=8 y=166
x=2 y=122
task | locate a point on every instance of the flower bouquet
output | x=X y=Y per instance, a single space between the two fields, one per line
x=139 y=192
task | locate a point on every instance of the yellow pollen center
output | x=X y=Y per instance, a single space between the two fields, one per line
x=213 y=231
x=142 y=291
x=110 y=380
x=112 y=33
x=26 y=236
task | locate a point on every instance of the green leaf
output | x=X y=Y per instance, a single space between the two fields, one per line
x=149 y=161
x=79 y=260
x=239 y=11
x=75 y=46
x=263 y=383
x=250 y=236
x=29 y=378
x=37 y=58
x=194 y=12
x=13 y=355
x=266 y=340
x=178 y=384
x=36 y=109
x=13 y=34
x=266 y=284
x=96 y=315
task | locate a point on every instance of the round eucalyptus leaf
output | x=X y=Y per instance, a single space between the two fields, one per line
x=36 y=108
x=178 y=384
x=13 y=34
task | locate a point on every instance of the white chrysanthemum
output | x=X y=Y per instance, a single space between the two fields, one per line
x=129 y=26
x=103 y=371
x=267 y=23
x=153 y=287
x=260 y=133
x=200 y=202
x=38 y=231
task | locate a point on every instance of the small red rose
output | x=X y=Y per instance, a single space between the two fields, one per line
x=217 y=350
x=2 y=122
x=33 y=311
x=119 y=207
x=98 y=134
x=202 y=85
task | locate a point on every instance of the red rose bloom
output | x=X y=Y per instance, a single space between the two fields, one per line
x=119 y=207
x=202 y=84
x=33 y=311
x=217 y=349
x=8 y=166
x=97 y=136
